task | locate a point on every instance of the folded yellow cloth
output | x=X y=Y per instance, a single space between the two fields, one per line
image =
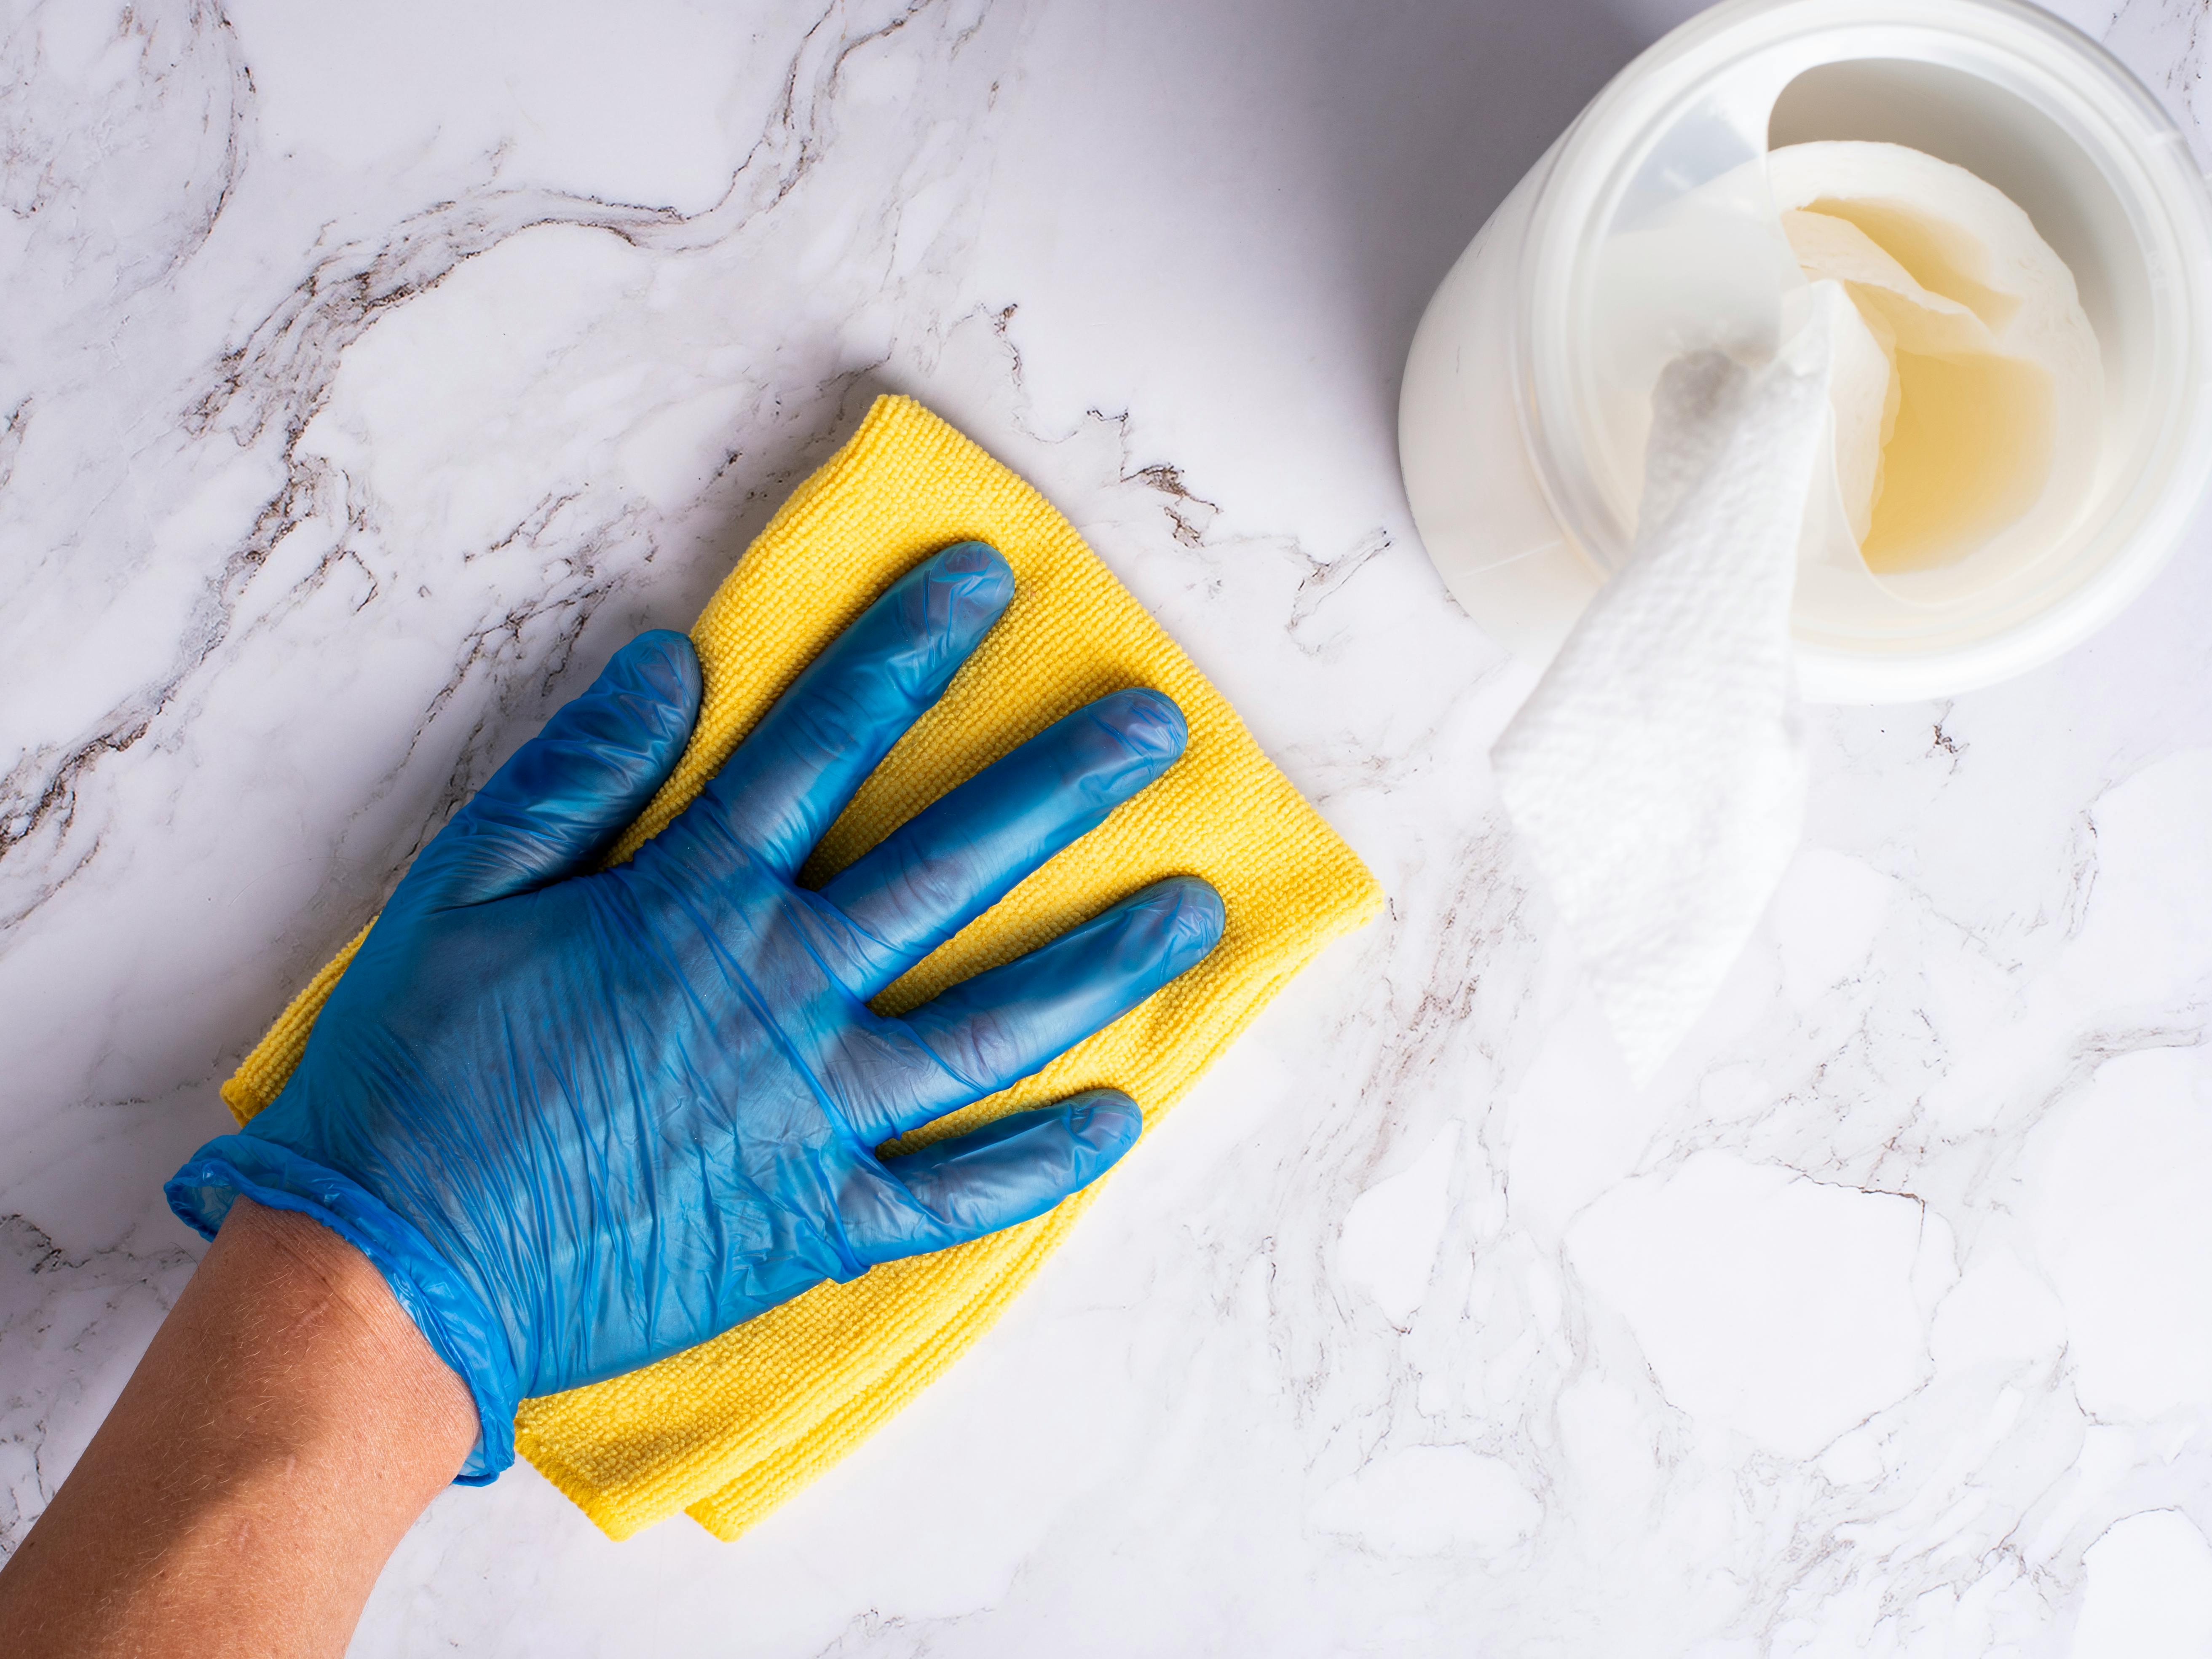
x=732 y=1427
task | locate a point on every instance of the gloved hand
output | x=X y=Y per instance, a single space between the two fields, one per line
x=582 y=1119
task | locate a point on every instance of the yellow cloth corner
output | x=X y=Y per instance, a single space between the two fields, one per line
x=732 y=1427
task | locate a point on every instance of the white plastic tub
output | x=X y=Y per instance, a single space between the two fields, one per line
x=1527 y=391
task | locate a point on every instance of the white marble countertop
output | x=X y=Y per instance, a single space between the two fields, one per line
x=350 y=415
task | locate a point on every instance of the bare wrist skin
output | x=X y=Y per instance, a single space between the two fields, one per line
x=285 y=1428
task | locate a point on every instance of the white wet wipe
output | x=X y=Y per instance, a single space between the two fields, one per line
x=1655 y=773
x=1934 y=410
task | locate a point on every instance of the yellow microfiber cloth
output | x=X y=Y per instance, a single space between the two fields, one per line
x=732 y=1427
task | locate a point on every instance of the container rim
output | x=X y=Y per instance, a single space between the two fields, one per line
x=1745 y=53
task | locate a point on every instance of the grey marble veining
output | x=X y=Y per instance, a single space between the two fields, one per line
x=369 y=374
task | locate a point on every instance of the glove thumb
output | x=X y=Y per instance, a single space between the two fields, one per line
x=566 y=796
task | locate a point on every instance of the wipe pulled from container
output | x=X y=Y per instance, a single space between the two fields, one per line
x=1933 y=408
x=1655 y=774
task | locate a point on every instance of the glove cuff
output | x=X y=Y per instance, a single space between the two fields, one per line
x=451 y=1317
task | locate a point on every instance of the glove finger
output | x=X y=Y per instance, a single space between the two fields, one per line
x=955 y=860
x=790 y=778
x=1000 y=1175
x=565 y=797
x=997 y=1028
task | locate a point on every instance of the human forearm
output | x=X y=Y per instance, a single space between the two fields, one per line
x=286 y=1425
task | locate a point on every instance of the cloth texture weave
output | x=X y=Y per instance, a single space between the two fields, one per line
x=732 y=1428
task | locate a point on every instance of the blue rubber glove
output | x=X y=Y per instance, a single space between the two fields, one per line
x=582 y=1119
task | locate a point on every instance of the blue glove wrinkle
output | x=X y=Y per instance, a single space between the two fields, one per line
x=992 y=1177
x=794 y=773
x=997 y=1027
x=960 y=856
x=543 y=815
x=582 y=1118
